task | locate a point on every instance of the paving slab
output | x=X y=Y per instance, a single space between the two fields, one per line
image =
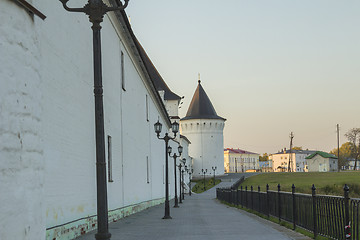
x=201 y=216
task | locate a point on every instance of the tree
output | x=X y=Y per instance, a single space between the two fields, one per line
x=297 y=148
x=353 y=135
x=264 y=157
x=345 y=153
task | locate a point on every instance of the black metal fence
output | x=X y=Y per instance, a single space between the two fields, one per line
x=334 y=217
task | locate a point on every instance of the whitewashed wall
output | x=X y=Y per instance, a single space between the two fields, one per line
x=21 y=145
x=47 y=146
x=172 y=107
x=207 y=144
x=240 y=162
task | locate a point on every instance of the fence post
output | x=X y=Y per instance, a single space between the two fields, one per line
x=229 y=195
x=347 y=215
x=233 y=199
x=314 y=209
x=252 y=198
x=258 y=206
x=267 y=200
x=294 y=206
x=241 y=198
x=246 y=198
x=237 y=197
x=279 y=203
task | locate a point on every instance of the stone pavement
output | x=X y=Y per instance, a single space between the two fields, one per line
x=201 y=216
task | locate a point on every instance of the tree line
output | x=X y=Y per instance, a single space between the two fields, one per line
x=349 y=150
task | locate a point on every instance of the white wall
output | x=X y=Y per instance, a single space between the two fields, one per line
x=21 y=148
x=47 y=122
x=207 y=144
x=320 y=164
x=238 y=162
x=172 y=107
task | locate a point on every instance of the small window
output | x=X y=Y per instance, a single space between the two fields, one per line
x=147 y=107
x=147 y=170
x=122 y=71
x=109 y=159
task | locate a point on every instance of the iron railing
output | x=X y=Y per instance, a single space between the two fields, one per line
x=334 y=217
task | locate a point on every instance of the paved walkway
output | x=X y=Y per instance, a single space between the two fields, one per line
x=201 y=216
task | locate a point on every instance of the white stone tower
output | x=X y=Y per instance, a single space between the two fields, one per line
x=204 y=128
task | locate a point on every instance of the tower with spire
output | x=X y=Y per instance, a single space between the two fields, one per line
x=204 y=128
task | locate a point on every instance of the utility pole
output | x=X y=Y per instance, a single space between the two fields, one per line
x=338 y=143
x=290 y=158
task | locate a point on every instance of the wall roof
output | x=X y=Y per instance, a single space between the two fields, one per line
x=287 y=151
x=322 y=154
x=155 y=75
x=144 y=62
x=239 y=151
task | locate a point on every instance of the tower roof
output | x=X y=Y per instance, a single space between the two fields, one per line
x=201 y=106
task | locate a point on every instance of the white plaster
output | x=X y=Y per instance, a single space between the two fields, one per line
x=207 y=144
x=21 y=150
x=47 y=146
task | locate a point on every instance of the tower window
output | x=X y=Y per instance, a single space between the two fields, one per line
x=122 y=71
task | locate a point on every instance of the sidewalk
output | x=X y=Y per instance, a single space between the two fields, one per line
x=201 y=216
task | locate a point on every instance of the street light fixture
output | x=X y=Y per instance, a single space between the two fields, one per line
x=204 y=171
x=180 y=149
x=214 y=169
x=190 y=173
x=180 y=166
x=166 y=138
x=183 y=174
x=96 y=9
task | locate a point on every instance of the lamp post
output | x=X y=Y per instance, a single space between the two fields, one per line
x=180 y=148
x=183 y=185
x=190 y=173
x=183 y=161
x=203 y=172
x=166 y=138
x=214 y=169
x=96 y=9
x=180 y=166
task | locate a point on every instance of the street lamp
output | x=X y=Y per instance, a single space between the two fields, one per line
x=166 y=138
x=179 y=166
x=96 y=9
x=214 y=169
x=204 y=171
x=183 y=185
x=182 y=177
x=180 y=149
x=190 y=173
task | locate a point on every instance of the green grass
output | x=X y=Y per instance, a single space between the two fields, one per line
x=209 y=183
x=276 y=220
x=328 y=183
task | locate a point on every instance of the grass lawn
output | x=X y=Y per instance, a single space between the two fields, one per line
x=209 y=183
x=328 y=183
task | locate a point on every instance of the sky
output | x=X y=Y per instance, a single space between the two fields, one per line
x=270 y=67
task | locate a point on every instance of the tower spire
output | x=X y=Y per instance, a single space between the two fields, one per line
x=199 y=81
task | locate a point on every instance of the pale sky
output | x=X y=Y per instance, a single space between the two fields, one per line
x=269 y=66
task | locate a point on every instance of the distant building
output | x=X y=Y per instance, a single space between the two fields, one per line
x=237 y=160
x=322 y=162
x=351 y=163
x=280 y=160
x=265 y=166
